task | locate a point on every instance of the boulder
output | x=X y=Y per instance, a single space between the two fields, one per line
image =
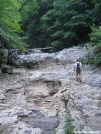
x=7 y=69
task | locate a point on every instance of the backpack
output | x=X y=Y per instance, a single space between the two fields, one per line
x=78 y=66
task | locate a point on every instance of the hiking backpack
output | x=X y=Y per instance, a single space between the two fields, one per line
x=78 y=66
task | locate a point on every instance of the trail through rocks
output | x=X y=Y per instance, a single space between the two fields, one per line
x=31 y=101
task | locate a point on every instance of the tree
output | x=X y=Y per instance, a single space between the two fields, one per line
x=60 y=23
x=10 y=24
x=67 y=23
x=32 y=25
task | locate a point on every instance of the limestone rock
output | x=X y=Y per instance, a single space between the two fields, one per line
x=34 y=100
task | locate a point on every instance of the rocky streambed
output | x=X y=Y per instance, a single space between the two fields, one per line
x=31 y=101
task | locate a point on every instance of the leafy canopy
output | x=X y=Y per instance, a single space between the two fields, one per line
x=10 y=27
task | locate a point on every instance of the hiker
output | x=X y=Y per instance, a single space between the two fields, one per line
x=77 y=67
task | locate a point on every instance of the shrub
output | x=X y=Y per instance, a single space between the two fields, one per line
x=68 y=128
x=95 y=48
x=97 y=59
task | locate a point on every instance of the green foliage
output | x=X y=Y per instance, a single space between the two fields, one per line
x=55 y=131
x=97 y=59
x=68 y=128
x=46 y=21
x=57 y=45
x=94 y=48
x=69 y=22
x=96 y=43
x=10 y=24
x=95 y=36
x=28 y=7
x=32 y=25
x=69 y=34
x=58 y=34
x=97 y=49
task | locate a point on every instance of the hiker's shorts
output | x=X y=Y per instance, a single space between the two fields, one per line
x=78 y=71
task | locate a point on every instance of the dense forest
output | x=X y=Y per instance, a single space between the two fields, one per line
x=51 y=23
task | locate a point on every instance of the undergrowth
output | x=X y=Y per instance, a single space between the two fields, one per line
x=68 y=128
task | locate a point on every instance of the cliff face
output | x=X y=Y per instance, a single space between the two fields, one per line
x=34 y=100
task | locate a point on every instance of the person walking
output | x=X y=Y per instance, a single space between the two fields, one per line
x=77 y=68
